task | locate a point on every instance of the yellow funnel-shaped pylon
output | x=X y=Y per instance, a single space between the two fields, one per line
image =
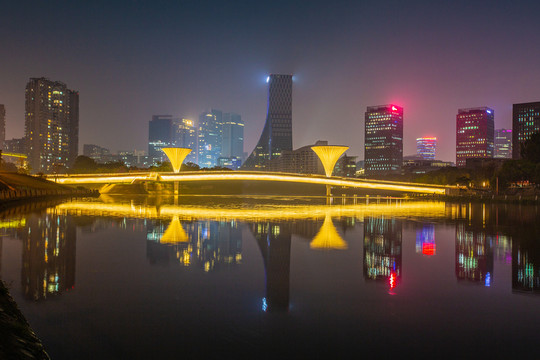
x=329 y=155
x=176 y=156
x=328 y=237
x=175 y=233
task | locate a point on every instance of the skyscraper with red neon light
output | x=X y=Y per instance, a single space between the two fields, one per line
x=474 y=134
x=426 y=147
x=383 y=140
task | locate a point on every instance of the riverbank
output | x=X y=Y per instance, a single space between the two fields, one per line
x=18 y=188
x=17 y=340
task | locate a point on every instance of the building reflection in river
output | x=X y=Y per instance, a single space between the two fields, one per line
x=48 y=258
x=526 y=265
x=207 y=244
x=274 y=240
x=425 y=240
x=382 y=249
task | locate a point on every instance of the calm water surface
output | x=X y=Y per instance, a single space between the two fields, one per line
x=201 y=277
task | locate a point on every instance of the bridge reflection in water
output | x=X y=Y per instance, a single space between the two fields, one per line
x=213 y=237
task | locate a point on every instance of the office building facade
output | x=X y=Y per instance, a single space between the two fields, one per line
x=474 y=134
x=209 y=138
x=503 y=144
x=276 y=136
x=525 y=122
x=426 y=148
x=160 y=135
x=51 y=125
x=232 y=144
x=383 y=149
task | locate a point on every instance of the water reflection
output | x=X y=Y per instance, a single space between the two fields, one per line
x=211 y=239
x=425 y=240
x=210 y=245
x=48 y=258
x=274 y=240
x=382 y=250
x=474 y=255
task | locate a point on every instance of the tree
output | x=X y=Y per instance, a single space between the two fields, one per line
x=84 y=165
x=530 y=149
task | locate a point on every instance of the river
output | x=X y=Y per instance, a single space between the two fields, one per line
x=275 y=277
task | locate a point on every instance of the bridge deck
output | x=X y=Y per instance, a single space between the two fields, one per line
x=130 y=178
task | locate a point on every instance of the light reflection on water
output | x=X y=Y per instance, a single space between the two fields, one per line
x=322 y=267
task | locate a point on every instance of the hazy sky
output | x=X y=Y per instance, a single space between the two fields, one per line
x=132 y=59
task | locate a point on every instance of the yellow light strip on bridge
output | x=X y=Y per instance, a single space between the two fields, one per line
x=167 y=212
x=251 y=176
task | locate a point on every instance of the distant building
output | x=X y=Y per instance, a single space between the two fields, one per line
x=185 y=135
x=51 y=124
x=416 y=165
x=346 y=166
x=209 y=138
x=2 y=126
x=503 y=144
x=426 y=148
x=98 y=153
x=277 y=133
x=300 y=161
x=160 y=135
x=383 y=140
x=166 y=131
x=525 y=122
x=15 y=146
x=232 y=163
x=232 y=144
x=135 y=158
x=474 y=134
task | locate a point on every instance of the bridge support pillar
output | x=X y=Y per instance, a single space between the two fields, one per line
x=328 y=190
x=175 y=188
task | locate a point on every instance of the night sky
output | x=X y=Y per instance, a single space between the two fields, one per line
x=130 y=60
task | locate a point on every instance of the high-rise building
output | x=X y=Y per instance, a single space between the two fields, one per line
x=383 y=140
x=426 y=147
x=160 y=135
x=185 y=135
x=503 y=144
x=474 y=134
x=525 y=122
x=51 y=124
x=232 y=144
x=209 y=138
x=277 y=133
x=2 y=126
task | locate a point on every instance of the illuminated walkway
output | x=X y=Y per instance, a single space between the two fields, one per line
x=191 y=176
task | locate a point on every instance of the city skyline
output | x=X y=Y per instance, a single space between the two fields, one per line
x=457 y=55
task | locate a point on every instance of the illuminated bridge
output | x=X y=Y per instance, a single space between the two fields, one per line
x=212 y=176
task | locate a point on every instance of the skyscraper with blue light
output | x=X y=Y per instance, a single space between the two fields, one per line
x=209 y=138
x=426 y=147
x=277 y=133
x=232 y=143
